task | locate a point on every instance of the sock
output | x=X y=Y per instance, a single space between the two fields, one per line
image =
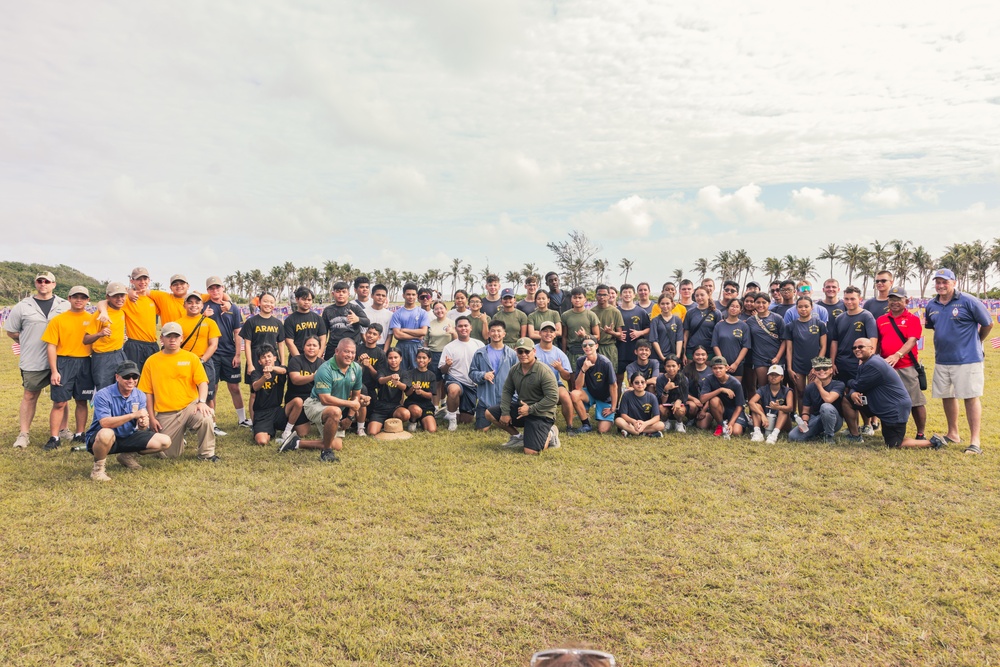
x=288 y=430
x=585 y=422
x=451 y=415
x=241 y=414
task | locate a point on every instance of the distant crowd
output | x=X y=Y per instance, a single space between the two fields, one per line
x=743 y=361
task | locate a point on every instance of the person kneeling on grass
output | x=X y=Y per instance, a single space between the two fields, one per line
x=820 y=404
x=267 y=380
x=336 y=394
x=639 y=411
x=596 y=385
x=672 y=388
x=535 y=409
x=121 y=424
x=388 y=395
x=771 y=408
x=723 y=394
x=878 y=391
x=421 y=386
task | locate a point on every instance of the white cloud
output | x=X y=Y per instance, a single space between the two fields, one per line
x=816 y=202
x=888 y=197
x=405 y=186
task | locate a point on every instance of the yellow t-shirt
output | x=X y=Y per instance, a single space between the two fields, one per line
x=679 y=310
x=171 y=307
x=207 y=330
x=172 y=379
x=117 y=338
x=66 y=332
x=140 y=319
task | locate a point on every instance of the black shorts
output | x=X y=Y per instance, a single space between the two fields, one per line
x=224 y=369
x=139 y=350
x=213 y=380
x=379 y=411
x=136 y=442
x=423 y=404
x=467 y=401
x=75 y=378
x=893 y=434
x=536 y=429
x=269 y=420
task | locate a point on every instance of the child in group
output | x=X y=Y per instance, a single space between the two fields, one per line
x=672 y=388
x=731 y=339
x=771 y=408
x=301 y=371
x=267 y=380
x=644 y=365
x=806 y=337
x=389 y=394
x=420 y=388
x=478 y=319
x=666 y=331
x=697 y=371
x=639 y=411
x=723 y=395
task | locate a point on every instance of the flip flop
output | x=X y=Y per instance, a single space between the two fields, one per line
x=950 y=441
x=973 y=449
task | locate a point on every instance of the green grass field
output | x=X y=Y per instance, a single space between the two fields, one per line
x=447 y=550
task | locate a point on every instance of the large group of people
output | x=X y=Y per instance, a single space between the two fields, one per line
x=755 y=361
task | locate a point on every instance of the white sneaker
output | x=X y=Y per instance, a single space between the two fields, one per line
x=21 y=442
x=246 y=423
x=554 y=440
x=680 y=427
x=726 y=431
x=218 y=431
x=669 y=425
x=412 y=428
x=868 y=430
x=773 y=437
x=452 y=424
x=361 y=430
x=757 y=436
x=341 y=434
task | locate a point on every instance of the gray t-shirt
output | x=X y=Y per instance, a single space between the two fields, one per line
x=27 y=319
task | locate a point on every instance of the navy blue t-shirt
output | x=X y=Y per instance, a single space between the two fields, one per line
x=805 y=337
x=711 y=383
x=811 y=397
x=701 y=323
x=731 y=339
x=848 y=328
x=766 y=397
x=599 y=378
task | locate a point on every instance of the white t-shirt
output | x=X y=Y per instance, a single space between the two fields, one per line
x=383 y=317
x=461 y=359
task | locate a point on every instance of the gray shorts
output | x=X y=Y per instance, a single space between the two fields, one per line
x=909 y=377
x=103 y=366
x=959 y=381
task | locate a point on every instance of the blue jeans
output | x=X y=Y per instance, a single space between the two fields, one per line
x=827 y=422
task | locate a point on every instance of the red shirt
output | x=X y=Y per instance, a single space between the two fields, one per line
x=889 y=341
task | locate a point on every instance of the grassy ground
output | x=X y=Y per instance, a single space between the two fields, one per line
x=446 y=550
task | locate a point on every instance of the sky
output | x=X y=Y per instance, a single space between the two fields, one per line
x=206 y=138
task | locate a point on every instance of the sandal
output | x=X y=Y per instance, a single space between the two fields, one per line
x=973 y=449
x=950 y=441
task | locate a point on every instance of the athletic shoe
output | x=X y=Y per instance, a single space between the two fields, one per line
x=79 y=437
x=412 y=427
x=718 y=430
x=554 y=440
x=772 y=438
x=290 y=444
x=99 y=476
x=574 y=431
x=246 y=423
x=328 y=456
x=211 y=459
x=829 y=439
x=515 y=441
x=441 y=411
x=218 y=431
x=21 y=442
x=341 y=434
x=361 y=430
x=452 y=424
x=757 y=436
x=680 y=428
x=655 y=434
x=868 y=430
x=855 y=439
x=624 y=433
x=937 y=442
x=66 y=435
x=51 y=444
x=586 y=428
x=128 y=459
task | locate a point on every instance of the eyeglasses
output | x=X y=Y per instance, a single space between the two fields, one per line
x=524 y=352
x=130 y=377
x=882 y=280
x=42 y=281
x=730 y=290
x=545 y=657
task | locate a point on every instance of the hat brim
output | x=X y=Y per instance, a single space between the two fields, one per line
x=403 y=435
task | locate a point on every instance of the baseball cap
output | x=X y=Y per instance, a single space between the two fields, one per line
x=524 y=344
x=114 y=289
x=822 y=362
x=506 y=293
x=213 y=280
x=546 y=324
x=178 y=277
x=753 y=284
x=78 y=289
x=719 y=361
x=171 y=329
x=775 y=369
x=47 y=275
x=127 y=368
x=898 y=291
x=947 y=274
x=140 y=272
x=192 y=295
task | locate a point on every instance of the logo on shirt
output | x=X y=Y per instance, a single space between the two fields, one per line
x=737 y=333
x=183 y=363
x=813 y=329
x=954 y=311
x=859 y=326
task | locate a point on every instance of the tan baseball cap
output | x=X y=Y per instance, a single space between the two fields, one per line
x=178 y=276
x=47 y=275
x=214 y=280
x=140 y=272
x=78 y=289
x=524 y=344
x=171 y=329
x=114 y=289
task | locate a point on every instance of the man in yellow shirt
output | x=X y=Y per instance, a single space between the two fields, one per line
x=176 y=389
x=140 y=319
x=107 y=339
x=69 y=359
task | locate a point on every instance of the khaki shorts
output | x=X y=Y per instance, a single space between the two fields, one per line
x=313 y=409
x=909 y=377
x=36 y=380
x=960 y=381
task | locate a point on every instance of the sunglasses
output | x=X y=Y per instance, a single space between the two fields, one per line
x=859 y=347
x=730 y=290
x=882 y=280
x=130 y=377
x=42 y=281
x=524 y=352
x=424 y=297
x=586 y=345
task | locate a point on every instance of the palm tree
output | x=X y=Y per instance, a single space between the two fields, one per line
x=900 y=259
x=804 y=269
x=923 y=263
x=530 y=269
x=677 y=275
x=880 y=256
x=850 y=257
x=743 y=264
x=626 y=265
x=830 y=252
x=600 y=268
x=468 y=276
x=456 y=267
x=773 y=267
x=702 y=267
x=291 y=277
x=514 y=278
x=331 y=270
x=866 y=267
x=723 y=263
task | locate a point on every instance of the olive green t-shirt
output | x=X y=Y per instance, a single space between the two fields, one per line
x=573 y=321
x=608 y=317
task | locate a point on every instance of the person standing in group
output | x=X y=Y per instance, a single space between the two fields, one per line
x=960 y=323
x=107 y=339
x=303 y=323
x=227 y=356
x=898 y=333
x=69 y=359
x=343 y=319
x=409 y=327
x=527 y=304
x=578 y=323
x=611 y=324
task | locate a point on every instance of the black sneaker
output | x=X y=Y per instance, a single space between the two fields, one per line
x=290 y=444
x=51 y=444
x=328 y=456
x=211 y=459
x=78 y=437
